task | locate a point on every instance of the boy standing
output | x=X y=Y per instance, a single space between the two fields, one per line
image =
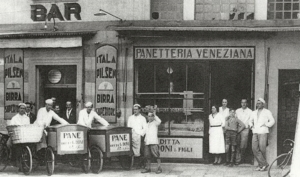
x=151 y=142
x=233 y=127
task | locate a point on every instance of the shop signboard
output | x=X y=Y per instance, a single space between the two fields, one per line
x=170 y=147
x=196 y=53
x=119 y=142
x=14 y=81
x=106 y=64
x=72 y=141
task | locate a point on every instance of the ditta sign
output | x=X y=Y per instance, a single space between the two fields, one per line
x=119 y=142
x=14 y=81
x=194 y=53
x=181 y=147
x=72 y=141
x=106 y=64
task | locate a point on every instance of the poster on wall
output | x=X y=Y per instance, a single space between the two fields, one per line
x=14 y=81
x=106 y=65
x=181 y=148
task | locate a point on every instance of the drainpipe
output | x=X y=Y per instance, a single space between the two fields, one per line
x=295 y=170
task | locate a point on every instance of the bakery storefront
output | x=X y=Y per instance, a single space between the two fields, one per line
x=184 y=82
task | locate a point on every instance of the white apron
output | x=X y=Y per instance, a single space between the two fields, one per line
x=216 y=136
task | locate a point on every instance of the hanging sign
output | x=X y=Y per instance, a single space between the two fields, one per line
x=106 y=65
x=14 y=81
x=194 y=53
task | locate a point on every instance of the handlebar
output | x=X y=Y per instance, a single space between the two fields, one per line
x=288 y=142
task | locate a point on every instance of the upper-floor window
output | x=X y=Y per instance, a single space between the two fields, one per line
x=283 y=9
x=224 y=9
x=166 y=9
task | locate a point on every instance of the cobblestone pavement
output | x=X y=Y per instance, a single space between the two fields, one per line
x=169 y=170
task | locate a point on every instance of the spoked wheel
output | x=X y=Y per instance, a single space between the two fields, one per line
x=282 y=169
x=49 y=159
x=26 y=160
x=126 y=161
x=4 y=157
x=86 y=162
x=96 y=159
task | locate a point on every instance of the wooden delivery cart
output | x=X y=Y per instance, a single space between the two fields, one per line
x=110 y=141
x=67 y=143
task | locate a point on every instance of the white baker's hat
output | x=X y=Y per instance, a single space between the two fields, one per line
x=137 y=105
x=49 y=101
x=262 y=100
x=88 y=104
x=22 y=104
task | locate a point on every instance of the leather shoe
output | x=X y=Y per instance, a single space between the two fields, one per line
x=146 y=171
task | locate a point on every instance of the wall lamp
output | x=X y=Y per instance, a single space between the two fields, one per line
x=103 y=12
x=55 y=28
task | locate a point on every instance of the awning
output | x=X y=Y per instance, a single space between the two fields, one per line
x=246 y=29
x=36 y=34
x=42 y=39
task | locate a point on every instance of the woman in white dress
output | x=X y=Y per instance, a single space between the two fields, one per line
x=216 y=136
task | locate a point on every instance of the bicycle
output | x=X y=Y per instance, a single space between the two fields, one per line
x=283 y=160
x=4 y=152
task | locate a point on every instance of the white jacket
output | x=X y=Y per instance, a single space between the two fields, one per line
x=261 y=124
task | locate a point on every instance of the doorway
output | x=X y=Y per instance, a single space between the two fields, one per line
x=57 y=81
x=233 y=80
x=288 y=104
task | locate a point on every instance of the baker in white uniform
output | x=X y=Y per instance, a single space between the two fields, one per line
x=138 y=124
x=87 y=116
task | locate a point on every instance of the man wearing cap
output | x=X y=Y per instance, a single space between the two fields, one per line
x=44 y=118
x=87 y=116
x=138 y=124
x=45 y=115
x=260 y=122
x=21 y=118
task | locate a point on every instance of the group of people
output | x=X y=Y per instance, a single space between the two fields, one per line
x=229 y=130
x=47 y=114
x=144 y=133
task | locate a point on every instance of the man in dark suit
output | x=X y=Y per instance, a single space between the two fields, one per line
x=70 y=114
x=31 y=116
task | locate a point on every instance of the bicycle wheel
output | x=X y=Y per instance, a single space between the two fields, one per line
x=86 y=162
x=4 y=158
x=282 y=169
x=26 y=160
x=126 y=161
x=50 y=161
x=96 y=159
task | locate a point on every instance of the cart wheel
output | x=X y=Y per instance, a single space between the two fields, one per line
x=126 y=161
x=86 y=162
x=96 y=159
x=4 y=157
x=26 y=160
x=49 y=159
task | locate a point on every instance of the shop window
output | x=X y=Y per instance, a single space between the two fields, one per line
x=224 y=9
x=167 y=10
x=283 y=9
x=177 y=88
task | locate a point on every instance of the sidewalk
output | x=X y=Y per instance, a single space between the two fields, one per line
x=169 y=170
